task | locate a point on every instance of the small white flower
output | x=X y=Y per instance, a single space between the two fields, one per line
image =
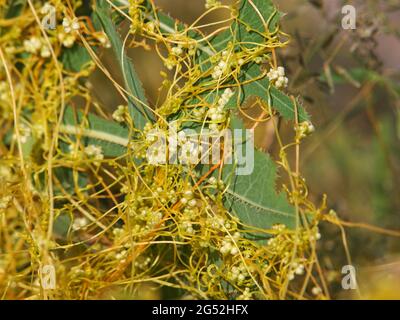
x=281 y=71
x=299 y=270
x=316 y=291
x=67 y=40
x=170 y=63
x=120 y=114
x=32 y=45
x=4 y=201
x=79 y=223
x=222 y=65
x=216 y=113
x=277 y=77
x=188 y=194
x=156 y=153
x=246 y=295
x=188 y=227
x=75 y=25
x=241 y=277
x=217 y=73
x=25 y=132
x=192 y=203
x=45 y=52
x=70 y=25
x=177 y=50
x=67 y=25
x=189 y=153
x=104 y=40
x=94 y=152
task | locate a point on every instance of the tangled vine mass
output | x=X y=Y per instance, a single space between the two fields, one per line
x=83 y=187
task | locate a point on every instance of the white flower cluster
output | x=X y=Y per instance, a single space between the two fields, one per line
x=177 y=50
x=6 y=174
x=94 y=152
x=187 y=149
x=304 y=129
x=215 y=222
x=151 y=26
x=187 y=198
x=198 y=113
x=25 y=132
x=35 y=45
x=120 y=114
x=118 y=232
x=222 y=66
x=228 y=246
x=246 y=295
x=217 y=114
x=297 y=269
x=170 y=63
x=219 y=223
x=142 y=263
x=216 y=184
x=190 y=212
x=157 y=154
x=316 y=235
x=70 y=25
x=316 y=291
x=4 y=201
x=277 y=77
x=121 y=256
x=189 y=153
x=68 y=37
x=150 y=217
x=238 y=274
x=79 y=223
x=104 y=40
x=187 y=226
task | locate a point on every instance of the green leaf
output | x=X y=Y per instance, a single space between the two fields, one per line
x=110 y=136
x=246 y=30
x=139 y=113
x=15 y=8
x=253 y=197
x=260 y=88
x=62 y=224
x=75 y=58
